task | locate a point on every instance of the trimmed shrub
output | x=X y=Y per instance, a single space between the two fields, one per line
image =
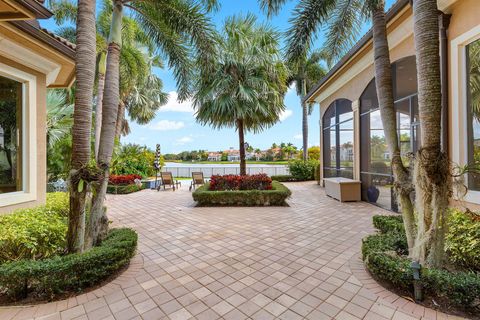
x=124 y=189
x=274 y=197
x=388 y=223
x=35 y=233
x=283 y=178
x=303 y=170
x=463 y=239
x=239 y=182
x=384 y=255
x=51 y=277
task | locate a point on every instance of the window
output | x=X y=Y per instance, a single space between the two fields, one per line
x=473 y=101
x=375 y=166
x=338 y=140
x=11 y=136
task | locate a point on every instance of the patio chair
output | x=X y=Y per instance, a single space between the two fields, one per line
x=168 y=181
x=197 y=180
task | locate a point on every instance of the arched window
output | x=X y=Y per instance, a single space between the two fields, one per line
x=375 y=166
x=338 y=140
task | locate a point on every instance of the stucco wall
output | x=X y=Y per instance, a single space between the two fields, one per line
x=40 y=105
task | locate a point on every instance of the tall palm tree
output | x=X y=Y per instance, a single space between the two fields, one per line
x=306 y=72
x=432 y=174
x=82 y=121
x=344 y=19
x=246 y=83
x=179 y=29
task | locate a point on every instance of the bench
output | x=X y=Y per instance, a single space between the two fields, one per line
x=343 y=189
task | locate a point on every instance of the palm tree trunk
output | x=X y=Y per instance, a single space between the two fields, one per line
x=98 y=226
x=384 y=87
x=120 y=119
x=241 y=139
x=304 y=121
x=102 y=66
x=432 y=168
x=82 y=122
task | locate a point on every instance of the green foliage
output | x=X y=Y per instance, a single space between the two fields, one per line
x=274 y=197
x=284 y=178
x=463 y=239
x=384 y=255
x=59 y=159
x=302 y=170
x=50 y=277
x=124 y=189
x=35 y=233
x=388 y=223
x=133 y=159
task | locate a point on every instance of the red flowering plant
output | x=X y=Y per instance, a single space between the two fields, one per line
x=124 y=179
x=238 y=182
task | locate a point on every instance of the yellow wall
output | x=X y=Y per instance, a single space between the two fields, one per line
x=41 y=137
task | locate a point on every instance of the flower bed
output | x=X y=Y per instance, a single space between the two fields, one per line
x=239 y=182
x=48 y=278
x=385 y=256
x=275 y=196
x=124 y=184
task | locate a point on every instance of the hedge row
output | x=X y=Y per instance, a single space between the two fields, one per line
x=70 y=273
x=284 y=178
x=275 y=197
x=384 y=255
x=124 y=189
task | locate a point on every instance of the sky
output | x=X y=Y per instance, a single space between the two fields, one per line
x=174 y=126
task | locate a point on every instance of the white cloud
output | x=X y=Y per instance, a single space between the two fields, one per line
x=174 y=105
x=184 y=140
x=292 y=89
x=298 y=136
x=285 y=114
x=167 y=125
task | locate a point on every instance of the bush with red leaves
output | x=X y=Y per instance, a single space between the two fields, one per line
x=238 y=182
x=123 y=179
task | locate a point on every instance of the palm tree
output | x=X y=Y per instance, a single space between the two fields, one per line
x=432 y=173
x=82 y=122
x=306 y=72
x=344 y=19
x=59 y=116
x=179 y=28
x=245 y=85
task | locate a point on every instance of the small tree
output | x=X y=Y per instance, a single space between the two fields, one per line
x=245 y=85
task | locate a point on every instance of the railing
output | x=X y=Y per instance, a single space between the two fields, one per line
x=185 y=171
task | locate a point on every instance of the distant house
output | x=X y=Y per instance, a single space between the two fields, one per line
x=32 y=59
x=232 y=154
x=214 y=156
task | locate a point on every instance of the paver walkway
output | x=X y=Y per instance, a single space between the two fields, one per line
x=297 y=262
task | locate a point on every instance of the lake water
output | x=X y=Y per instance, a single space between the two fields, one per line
x=186 y=169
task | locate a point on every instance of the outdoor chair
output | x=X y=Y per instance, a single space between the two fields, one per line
x=168 y=181
x=197 y=180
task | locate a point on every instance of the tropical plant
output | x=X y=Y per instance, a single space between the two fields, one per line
x=59 y=116
x=133 y=159
x=180 y=31
x=306 y=72
x=82 y=122
x=246 y=83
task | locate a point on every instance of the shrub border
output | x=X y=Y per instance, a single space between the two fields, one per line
x=52 y=277
x=124 y=189
x=458 y=289
x=275 y=197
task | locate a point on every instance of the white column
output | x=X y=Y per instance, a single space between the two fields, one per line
x=356 y=139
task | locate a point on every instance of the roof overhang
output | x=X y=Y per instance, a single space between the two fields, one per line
x=23 y=10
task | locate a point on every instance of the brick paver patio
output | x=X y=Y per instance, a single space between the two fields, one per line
x=297 y=262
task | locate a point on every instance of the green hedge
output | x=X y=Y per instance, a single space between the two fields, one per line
x=302 y=170
x=124 y=189
x=284 y=178
x=35 y=233
x=384 y=255
x=51 y=277
x=275 y=197
x=388 y=223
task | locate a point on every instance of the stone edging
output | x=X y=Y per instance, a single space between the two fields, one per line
x=389 y=298
x=40 y=310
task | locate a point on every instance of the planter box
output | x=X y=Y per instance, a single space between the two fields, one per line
x=343 y=189
x=247 y=198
